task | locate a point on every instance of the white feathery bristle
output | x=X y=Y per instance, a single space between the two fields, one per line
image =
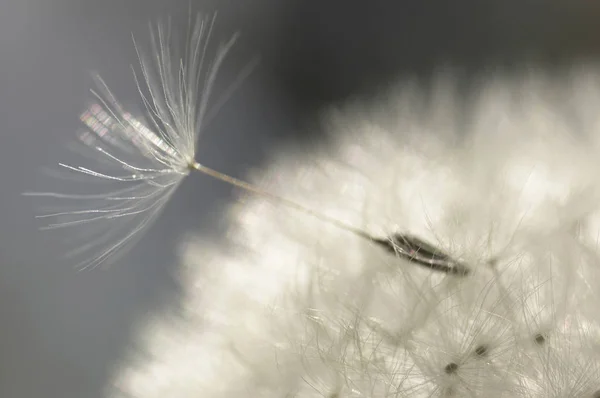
x=291 y=306
x=133 y=165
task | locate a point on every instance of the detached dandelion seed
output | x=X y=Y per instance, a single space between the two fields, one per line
x=148 y=161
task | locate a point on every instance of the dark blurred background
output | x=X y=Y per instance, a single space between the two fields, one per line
x=62 y=331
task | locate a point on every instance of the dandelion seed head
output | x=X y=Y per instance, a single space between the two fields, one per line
x=294 y=306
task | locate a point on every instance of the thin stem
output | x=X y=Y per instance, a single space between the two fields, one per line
x=413 y=250
x=252 y=188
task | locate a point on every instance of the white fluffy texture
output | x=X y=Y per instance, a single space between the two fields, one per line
x=293 y=307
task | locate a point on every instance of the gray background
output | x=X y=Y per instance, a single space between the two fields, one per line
x=61 y=331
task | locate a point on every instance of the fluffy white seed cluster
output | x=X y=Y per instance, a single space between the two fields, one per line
x=503 y=179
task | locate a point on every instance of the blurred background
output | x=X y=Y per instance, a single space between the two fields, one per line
x=61 y=332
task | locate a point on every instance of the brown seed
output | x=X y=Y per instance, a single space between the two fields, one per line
x=539 y=339
x=481 y=350
x=451 y=368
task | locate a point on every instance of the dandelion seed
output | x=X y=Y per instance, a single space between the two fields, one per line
x=147 y=160
x=481 y=350
x=451 y=368
x=539 y=339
